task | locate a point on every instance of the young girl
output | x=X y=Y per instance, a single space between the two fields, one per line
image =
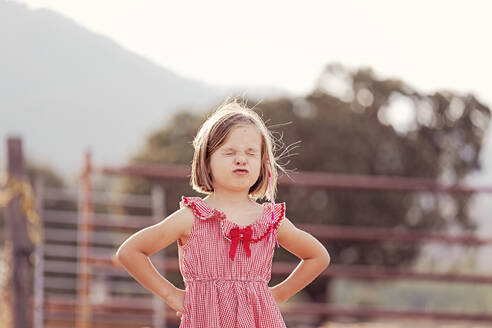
x=226 y=240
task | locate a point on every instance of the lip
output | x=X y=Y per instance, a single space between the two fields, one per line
x=241 y=171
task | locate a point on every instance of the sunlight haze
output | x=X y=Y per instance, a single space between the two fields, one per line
x=430 y=45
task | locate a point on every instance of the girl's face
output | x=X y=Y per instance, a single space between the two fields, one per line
x=235 y=166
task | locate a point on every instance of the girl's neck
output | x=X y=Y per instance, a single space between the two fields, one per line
x=231 y=199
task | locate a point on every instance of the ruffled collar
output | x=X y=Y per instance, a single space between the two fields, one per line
x=252 y=233
x=260 y=228
x=245 y=235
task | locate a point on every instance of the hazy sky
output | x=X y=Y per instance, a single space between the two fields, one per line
x=429 y=44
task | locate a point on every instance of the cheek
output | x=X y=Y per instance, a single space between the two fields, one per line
x=216 y=165
x=257 y=166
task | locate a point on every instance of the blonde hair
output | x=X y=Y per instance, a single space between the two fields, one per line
x=212 y=135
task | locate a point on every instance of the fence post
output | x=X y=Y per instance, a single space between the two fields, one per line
x=21 y=267
x=158 y=212
x=39 y=260
x=84 y=313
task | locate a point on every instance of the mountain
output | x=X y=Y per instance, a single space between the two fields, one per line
x=64 y=88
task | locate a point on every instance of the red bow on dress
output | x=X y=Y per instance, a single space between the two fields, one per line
x=237 y=234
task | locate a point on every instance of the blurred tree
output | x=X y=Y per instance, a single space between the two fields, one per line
x=50 y=179
x=49 y=176
x=354 y=123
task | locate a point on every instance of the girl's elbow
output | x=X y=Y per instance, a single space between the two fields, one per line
x=121 y=256
x=116 y=258
x=325 y=258
x=126 y=254
x=328 y=259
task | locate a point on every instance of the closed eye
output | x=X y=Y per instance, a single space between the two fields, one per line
x=231 y=153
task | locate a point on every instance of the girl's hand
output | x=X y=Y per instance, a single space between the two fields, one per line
x=176 y=301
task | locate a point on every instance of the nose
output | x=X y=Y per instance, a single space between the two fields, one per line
x=240 y=159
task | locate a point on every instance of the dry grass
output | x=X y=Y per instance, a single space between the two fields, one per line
x=5 y=314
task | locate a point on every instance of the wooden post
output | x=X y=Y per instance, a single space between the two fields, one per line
x=84 y=313
x=21 y=266
x=159 y=211
x=39 y=261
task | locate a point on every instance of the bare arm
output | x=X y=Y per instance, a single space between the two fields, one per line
x=314 y=259
x=134 y=254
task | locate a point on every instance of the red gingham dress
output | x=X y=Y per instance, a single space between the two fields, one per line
x=225 y=293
